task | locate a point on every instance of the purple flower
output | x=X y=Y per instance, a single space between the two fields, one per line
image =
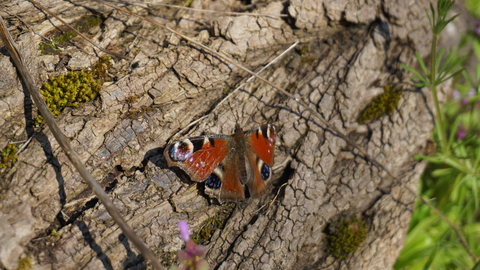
x=465 y=101
x=184 y=234
x=192 y=257
x=456 y=94
x=471 y=93
x=461 y=132
x=477 y=27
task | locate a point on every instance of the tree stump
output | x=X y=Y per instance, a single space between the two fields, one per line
x=349 y=53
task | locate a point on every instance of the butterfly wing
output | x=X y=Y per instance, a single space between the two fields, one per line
x=227 y=163
x=259 y=158
x=209 y=159
x=225 y=181
x=198 y=156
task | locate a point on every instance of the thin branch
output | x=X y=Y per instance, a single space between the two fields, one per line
x=25 y=144
x=230 y=94
x=260 y=71
x=188 y=126
x=79 y=33
x=71 y=154
x=463 y=241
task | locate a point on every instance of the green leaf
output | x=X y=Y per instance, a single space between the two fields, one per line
x=432 y=19
x=430 y=258
x=477 y=161
x=429 y=159
x=450 y=76
x=457 y=164
x=441 y=172
x=477 y=75
x=422 y=64
x=475 y=191
x=476 y=266
x=476 y=48
x=417 y=76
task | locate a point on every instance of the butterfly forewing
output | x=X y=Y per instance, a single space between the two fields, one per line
x=260 y=156
x=262 y=142
x=199 y=156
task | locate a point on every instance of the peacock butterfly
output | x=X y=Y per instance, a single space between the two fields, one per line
x=227 y=163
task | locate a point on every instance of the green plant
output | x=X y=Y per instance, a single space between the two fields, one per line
x=453 y=173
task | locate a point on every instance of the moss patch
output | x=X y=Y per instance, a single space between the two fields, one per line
x=24 y=264
x=64 y=37
x=54 y=233
x=8 y=156
x=168 y=258
x=74 y=88
x=137 y=113
x=202 y=237
x=381 y=105
x=346 y=237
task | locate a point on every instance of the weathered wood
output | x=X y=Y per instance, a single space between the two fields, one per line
x=338 y=69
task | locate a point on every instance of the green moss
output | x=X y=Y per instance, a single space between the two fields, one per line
x=306 y=54
x=346 y=237
x=308 y=59
x=100 y=69
x=227 y=90
x=306 y=49
x=58 y=41
x=8 y=156
x=24 y=264
x=70 y=90
x=74 y=88
x=381 y=105
x=202 y=237
x=87 y=22
x=168 y=258
x=55 y=233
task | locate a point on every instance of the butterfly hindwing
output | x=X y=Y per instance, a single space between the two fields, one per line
x=224 y=183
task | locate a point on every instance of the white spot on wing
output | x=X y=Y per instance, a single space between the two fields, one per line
x=218 y=172
x=259 y=165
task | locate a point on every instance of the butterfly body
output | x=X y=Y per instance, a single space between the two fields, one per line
x=229 y=165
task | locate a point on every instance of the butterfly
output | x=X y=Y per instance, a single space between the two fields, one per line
x=230 y=166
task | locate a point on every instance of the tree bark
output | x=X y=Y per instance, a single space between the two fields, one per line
x=348 y=52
